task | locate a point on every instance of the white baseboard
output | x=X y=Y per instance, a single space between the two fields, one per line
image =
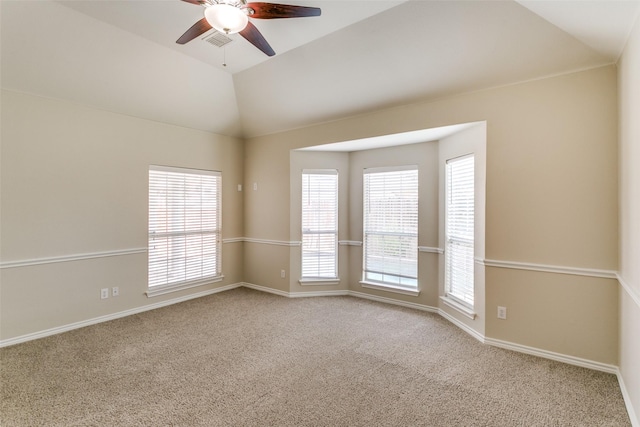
x=393 y=301
x=318 y=294
x=571 y=360
x=635 y=422
x=265 y=289
x=113 y=316
x=477 y=335
x=295 y=294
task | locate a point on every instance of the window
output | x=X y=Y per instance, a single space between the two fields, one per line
x=459 y=217
x=319 y=224
x=391 y=227
x=184 y=227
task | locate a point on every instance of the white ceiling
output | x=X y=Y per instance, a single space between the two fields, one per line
x=360 y=55
x=404 y=138
x=163 y=21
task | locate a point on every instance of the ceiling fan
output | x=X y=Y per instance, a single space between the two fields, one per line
x=232 y=16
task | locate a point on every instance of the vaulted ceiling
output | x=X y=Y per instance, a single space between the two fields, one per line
x=358 y=56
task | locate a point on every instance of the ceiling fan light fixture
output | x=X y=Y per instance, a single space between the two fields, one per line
x=226 y=18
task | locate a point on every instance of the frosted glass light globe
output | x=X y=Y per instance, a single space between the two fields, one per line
x=226 y=18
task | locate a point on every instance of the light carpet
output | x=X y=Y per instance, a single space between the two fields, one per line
x=246 y=358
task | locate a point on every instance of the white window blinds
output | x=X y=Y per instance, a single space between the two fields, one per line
x=459 y=229
x=319 y=224
x=391 y=227
x=184 y=225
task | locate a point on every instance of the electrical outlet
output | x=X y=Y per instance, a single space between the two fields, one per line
x=104 y=293
x=255 y=186
x=239 y=187
x=502 y=312
x=115 y=291
x=283 y=274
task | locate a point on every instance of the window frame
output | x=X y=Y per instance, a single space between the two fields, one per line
x=308 y=230
x=401 y=283
x=460 y=295
x=186 y=225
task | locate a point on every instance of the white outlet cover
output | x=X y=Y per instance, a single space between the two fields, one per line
x=502 y=312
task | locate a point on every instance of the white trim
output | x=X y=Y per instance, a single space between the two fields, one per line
x=633 y=294
x=465 y=311
x=167 y=289
x=320 y=171
x=272 y=242
x=266 y=289
x=635 y=422
x=394 y=302
x=466 y=328
x=576 y=271
x=233 y=240
x=349 y=243
x=294 y=294
x=337 y=293
x=571 y=360
x=389 y=288
x=192 y=171
x=383 y=169
x=113 y=316
x=319 y=282
x=69 y=258
x=430 y=249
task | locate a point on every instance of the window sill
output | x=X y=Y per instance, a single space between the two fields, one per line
x=167 y=289
x=319 y=282
x=390 y=288
x=463 y=309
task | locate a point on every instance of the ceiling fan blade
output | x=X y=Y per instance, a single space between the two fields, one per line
x=274 y=11
x=254 y=37
x=200 y=27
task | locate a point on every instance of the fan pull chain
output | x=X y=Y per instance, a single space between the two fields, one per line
x=224 y=59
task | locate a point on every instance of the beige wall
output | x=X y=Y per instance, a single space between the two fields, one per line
x=551 y=199
x=629 y=98
x=74 y=182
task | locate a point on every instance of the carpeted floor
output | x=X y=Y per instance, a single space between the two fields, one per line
x=246 y=358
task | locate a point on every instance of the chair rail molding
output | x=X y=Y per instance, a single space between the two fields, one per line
x=629 y=290
x=545 y=268
x=69 y=258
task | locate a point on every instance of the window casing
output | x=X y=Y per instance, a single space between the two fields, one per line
x=390 y=253
x=184 y=227
x=320 y=224
x=459 y=229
